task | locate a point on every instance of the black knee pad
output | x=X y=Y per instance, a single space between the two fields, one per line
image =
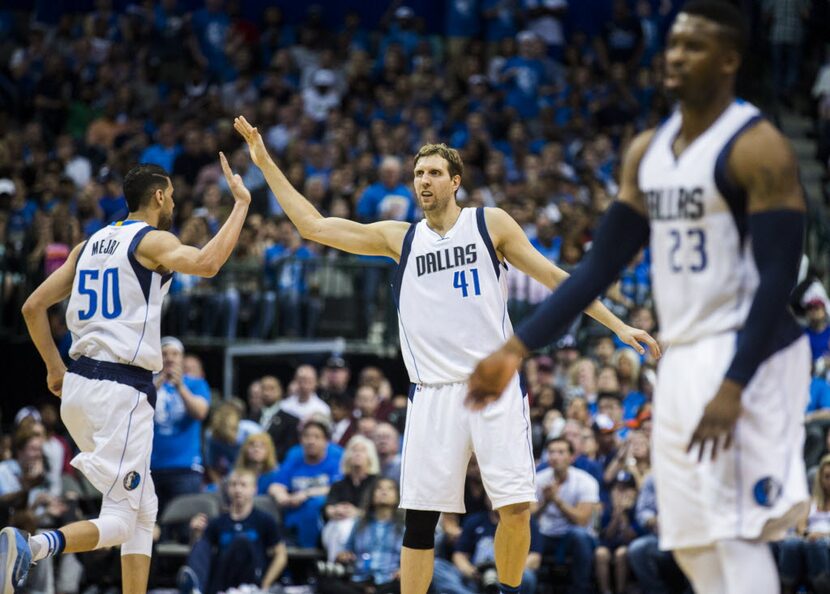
x=420 y=529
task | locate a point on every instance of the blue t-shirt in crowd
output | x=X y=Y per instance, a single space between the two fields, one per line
x=550 y=252
x=377 y=546
x=632 y=403
x=819 y=394
x=259 y=528
x=523 y=85
x=502 y=24
x=289 y=276
x=296 y=474
x=379 y=202
x=177 y=437
x=819 y=342
x=115 y=208
x=462 y=18
x=160 y=155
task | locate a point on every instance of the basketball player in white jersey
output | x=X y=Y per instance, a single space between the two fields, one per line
x=115 y=282
x=715 y=190
x=450 y=289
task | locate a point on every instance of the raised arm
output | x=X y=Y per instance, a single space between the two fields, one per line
x=161 y=250
x=54 y=289
x=510 y=240
x=621 y=234
x=376 y=239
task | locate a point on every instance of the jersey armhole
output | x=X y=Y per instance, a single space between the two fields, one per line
x=397 y=279
x=142 y=273
x=485 y=236
x=733 y=194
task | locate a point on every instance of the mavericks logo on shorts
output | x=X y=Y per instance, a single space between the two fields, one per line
x=131 y=480
x=767 y=491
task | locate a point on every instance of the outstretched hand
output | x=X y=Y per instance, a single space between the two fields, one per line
x=238 y=189
x=259 y=154
x=635 y=338
x=492 y=374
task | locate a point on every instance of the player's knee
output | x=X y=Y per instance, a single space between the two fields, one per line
x=419 y=530
x=148 y=510
x=116 y=524
x=515 y=516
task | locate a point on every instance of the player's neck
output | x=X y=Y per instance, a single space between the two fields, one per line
x=442 y=221
x=699 y=118
x=143 y=215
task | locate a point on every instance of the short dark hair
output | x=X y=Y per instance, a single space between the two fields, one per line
x=561 y=439
x=141 y=183
x=727 y=15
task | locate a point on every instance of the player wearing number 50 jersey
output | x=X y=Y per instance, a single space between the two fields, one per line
x=715 y=192
x=115 y=282
x=450 y=292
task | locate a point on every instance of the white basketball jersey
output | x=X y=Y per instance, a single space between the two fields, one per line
x=114 y=311
x=703 y=271
x=452 y=299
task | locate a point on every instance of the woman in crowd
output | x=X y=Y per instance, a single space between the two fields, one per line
x=258 y=454
x=360 y=468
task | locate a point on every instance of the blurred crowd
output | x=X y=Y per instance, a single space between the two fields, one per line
x=540 y=97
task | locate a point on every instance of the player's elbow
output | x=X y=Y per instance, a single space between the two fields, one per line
x=31 y=307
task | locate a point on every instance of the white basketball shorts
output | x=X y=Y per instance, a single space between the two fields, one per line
x=756 y=488
x=440 y=436
x=108 y=410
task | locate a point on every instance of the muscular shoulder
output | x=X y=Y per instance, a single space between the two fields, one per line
x=637 y=149
x=629 y=182
x=763 y=162
x=154 y=243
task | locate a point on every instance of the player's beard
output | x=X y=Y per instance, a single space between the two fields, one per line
x=165 y=221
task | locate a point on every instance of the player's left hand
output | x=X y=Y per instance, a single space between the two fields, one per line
x=54 y=380
x=719 y=418
x=633 y=337
x=237 y=187
x=493 y=373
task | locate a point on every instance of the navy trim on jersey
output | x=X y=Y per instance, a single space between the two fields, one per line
x=130 y=375
x=412 y=388
x=485 y=235
x=165 y=278
x=81 y=253
x=397 y=279
x=523 y=383
x=734 y=195
x=143 y=274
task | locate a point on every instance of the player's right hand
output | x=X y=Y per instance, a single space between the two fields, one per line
x=238 y=189
x=54 y=380
x=259 y=154
x=492 y=374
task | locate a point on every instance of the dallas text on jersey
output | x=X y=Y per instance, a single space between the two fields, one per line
x=668 y=204
x=446 y=259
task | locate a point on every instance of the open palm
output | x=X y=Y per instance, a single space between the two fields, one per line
x=259 y=154
x=238 y=189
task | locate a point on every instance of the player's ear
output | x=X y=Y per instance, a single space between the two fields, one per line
x=731 y=61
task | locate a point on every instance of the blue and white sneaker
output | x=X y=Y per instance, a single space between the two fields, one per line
x=15 y=559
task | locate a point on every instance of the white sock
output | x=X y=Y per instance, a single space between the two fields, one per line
x=47 y=544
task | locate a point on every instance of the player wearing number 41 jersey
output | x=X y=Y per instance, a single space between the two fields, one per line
x=450 y=291
x=715 y=191
x=115 y=282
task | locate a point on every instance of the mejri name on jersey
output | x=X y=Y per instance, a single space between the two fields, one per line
x=668 y=204
x=105 y=246
x=446 y=259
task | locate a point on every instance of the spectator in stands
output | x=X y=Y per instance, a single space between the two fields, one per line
x=334 y=380
x=374 y=546
x=359 y=467
x=257 y=455
x=234 y=548
x=305 y=401
x=787 y=22
x=182 y=403
x=24 y=479
x=818 y=328
x=567 y=498
x=388 y=198
x=545 y=18
x=254 y=401
x=621 y=41
x=388 y=441
x=618 y=527
x=810 y=548
x=164 y=152
x=280 y=425
x=222 y=443
x=302 y=483
x=656 y=570
x=474 y=555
